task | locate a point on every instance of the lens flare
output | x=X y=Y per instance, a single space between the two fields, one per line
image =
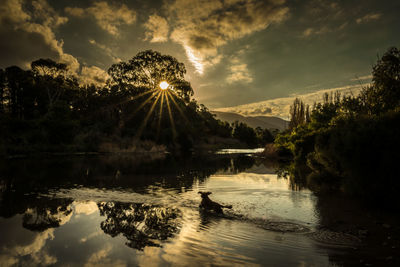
x=164 y=85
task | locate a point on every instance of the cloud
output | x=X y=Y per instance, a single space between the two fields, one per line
x=75 y=11
x=279 y=107
x=48 y=15
x=93 y=75
x=201 y=27
x=368 y=18
x=30 y=35
x=239 y=73
x=157 y=29
x=11 y=12
x=106 y=50
x=362 y=78
x=326 y=17
x=315 y=31
x=108 y=17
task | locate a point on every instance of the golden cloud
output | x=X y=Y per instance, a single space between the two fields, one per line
x=201 y=27
x=157 y=29
x=108 y=17
x=279 y=107
x=368 y=18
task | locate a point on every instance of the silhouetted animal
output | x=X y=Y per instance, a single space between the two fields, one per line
x=209 y=205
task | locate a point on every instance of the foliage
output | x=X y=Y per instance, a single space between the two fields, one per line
x=147 y=69
x=350 y=143
x=299 y=113
x=47 y=109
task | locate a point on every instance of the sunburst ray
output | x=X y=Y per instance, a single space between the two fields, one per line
x=144 y=122
x=140 y=107
x=160 y=114
x=170 y=116
x=178 y=107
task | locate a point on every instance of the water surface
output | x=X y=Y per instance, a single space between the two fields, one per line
x=143 y=210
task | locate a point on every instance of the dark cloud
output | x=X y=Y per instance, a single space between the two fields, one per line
x=203 y=27
x=108 y=16
x=23 y=47
x=30 y=35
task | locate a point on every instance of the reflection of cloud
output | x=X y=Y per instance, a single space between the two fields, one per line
x=100 y=258
x=202 y=27
x=33 y=244
x=279 y=107
x=37 y=244
x=150 y=257
x=108 y=17
x=86 y=208
x=90 y=236
x=368 y=18
x=157 y=29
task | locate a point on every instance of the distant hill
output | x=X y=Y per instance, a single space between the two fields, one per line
x=256 y=121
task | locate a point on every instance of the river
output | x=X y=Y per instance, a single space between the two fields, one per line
x=143 y=210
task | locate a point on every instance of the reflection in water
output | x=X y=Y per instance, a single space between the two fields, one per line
x=124 y=210
x=142 y=225
x=50 y=214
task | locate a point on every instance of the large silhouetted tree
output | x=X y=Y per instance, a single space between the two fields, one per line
x=147 y=69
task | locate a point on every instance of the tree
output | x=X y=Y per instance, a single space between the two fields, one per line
x=384 y=94
x=147 y=69
x=264 y=136
x=16 y=84
x=142 y=225
x=244 y=133
x=48 y=67
x=299 y=113
x=54 y=78
x=2 y=90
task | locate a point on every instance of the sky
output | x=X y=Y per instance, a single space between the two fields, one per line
x=236 y=52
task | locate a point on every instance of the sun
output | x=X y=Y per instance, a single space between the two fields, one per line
x=164 y=85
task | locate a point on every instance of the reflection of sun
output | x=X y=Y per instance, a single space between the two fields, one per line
x=164 y=85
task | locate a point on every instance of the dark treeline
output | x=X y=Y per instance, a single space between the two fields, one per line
x=350 y=143
x=48 y=109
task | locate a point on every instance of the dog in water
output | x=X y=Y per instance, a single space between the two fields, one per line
x=209 y=205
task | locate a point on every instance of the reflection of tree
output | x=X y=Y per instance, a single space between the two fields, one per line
x=46 y=214
x=143 y=225
x=24 y=176
x=242 y=163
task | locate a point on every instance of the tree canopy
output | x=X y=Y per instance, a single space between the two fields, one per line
x=147 y=69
